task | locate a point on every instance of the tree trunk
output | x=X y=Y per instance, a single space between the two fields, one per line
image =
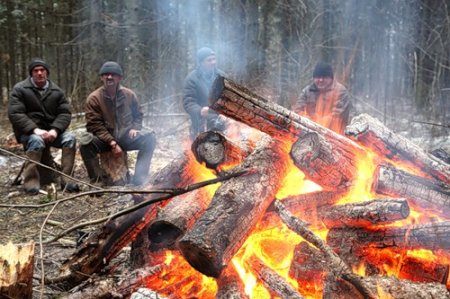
x=236 y=208
x=16 y=270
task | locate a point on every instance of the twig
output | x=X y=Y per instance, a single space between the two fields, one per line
x=50 y=168
x=170 y=193
x=338 y=267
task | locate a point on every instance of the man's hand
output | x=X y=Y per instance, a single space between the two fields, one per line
x=115 y=148
x=43 y=134
x=52 y=135
x=133 y=133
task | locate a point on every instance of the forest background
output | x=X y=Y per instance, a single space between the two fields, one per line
x=394 y=56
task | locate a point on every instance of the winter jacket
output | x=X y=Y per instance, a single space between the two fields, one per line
x=195 y=96
x=111 y=119
x=28 y=109
x=330 y=108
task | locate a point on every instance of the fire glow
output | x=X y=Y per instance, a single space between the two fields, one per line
x=273 y=243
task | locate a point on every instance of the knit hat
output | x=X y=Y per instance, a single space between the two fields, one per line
x=204 y=52
x=111 y=67
x=323 y=70
x=38 y=62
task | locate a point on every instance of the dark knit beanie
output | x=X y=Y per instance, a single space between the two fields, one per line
x=38 y=62
x=323 y=70
x=204 y=52
x=111 y=67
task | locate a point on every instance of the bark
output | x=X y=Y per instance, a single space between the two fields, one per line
x=337 y=266
x=274 y=283
x=215 y=150
x=230 y=285
x=239 y=103
x=308 y=264
x=177 y=217
x=388 y=287
x=377 y=211
x=425 y=193
x=431 y=236
x=423 y=271
x=372 y=133
x=16 y=270
x=235 y=209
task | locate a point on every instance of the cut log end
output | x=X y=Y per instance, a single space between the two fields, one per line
x=163 y=235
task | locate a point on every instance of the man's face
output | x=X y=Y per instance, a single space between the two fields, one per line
x=39 y=75
x=209 y=63
x=323 y=83
x=110 y=80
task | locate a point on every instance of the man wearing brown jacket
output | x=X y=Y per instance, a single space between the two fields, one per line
x=114 y=119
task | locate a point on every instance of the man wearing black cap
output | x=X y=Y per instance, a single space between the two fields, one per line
x=114 y=121
x=197 y=86
x=325 y=100
x=40 y=115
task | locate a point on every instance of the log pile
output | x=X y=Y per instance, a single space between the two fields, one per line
x=208 y=230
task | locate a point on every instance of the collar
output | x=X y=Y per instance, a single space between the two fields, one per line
x=40 y=88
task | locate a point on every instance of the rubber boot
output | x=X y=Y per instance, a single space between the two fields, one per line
x=31 y=173
x=67 y=162
x=95 y=173
x=142 y=167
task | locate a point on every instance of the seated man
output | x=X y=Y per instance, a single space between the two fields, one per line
x=114 y=119
x=40 y=115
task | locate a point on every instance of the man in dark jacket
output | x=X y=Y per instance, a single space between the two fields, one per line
x=197 y=86
x=40 y=115
x=325 y=100
x=114 y=119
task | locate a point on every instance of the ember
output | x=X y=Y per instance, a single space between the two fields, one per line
x=379 y=228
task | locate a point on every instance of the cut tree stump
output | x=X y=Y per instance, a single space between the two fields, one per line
x=372 y=133
x=236 y=207
x=16 y=270
x=115 y=168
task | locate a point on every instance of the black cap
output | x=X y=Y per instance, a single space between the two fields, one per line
x=111 y=67
x=204 y=52
x=323 y=70
x=38 y=62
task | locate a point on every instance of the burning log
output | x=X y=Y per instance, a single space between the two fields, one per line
x=230 y=285
x=173 y=220
x=239 y=103
x=431 y=236
x=214 y=149
x=426 y=193
x=16 y=270
x=337 y=266
x=423 y=271
x=235 y=209
x=372 y=133
x=274 y=283
x=308 y=264
x=102 y=246
x=377 y=211
x=388 y=287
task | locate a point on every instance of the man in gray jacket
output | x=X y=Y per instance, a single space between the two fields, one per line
x=197 y=86
x=40 y=115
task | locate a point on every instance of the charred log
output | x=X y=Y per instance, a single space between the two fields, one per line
x=425 y=193
x=235 y=209
x=173 y=220
x=423 y=271
x=308 y=264
x=377 y=211
x=230 y=285
x=239 y=103
x=431 y=236
x=215 y=150
x=274 y=283
x=373 y=134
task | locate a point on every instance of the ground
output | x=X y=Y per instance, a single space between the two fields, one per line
x=22 y=225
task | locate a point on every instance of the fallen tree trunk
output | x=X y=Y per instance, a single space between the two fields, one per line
x=237 y=102
x=425 y=193
x=274 y=283
x=431 y=236
x=388 y=287
x=216 y=151
x=16 y=270
x=377 y=211
x=235 y=209
x=372 y=133
x=177 y=217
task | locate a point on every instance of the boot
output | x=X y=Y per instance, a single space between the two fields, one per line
x=31 y=173
x=67 y=161
x=93 y=169
x=142 y=167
